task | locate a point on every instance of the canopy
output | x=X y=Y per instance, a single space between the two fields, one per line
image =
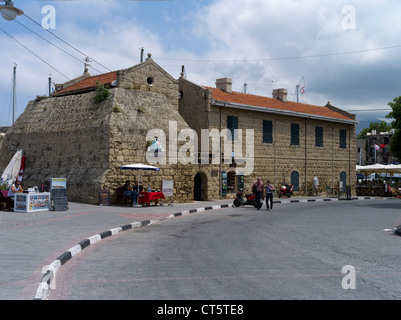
x=379 y=168
x=139 y=166
x=12 y=170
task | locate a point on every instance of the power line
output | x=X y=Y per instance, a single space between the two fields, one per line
x=68 y=43
x=34 y=54
x=51 y=43
x=285 y=58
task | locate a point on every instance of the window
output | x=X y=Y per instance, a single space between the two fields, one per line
x=343 y=139
x=232 y=125
x=295 y=180
x=294 y=134
x=319 y=136
x=267 y=131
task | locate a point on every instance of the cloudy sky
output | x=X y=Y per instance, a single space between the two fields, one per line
x=346 y=52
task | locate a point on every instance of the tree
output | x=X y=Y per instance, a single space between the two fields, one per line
x=381 y=127
x=395 y=114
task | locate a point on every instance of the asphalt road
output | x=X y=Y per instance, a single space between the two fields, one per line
x=296 y=251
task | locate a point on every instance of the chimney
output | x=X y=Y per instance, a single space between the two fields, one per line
x=224 y=84
x=280 y=94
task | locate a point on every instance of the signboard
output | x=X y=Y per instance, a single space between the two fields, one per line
x=223 y=183
x=58 y=183
x=168 y=188
x=58 y=189
x=104 y=198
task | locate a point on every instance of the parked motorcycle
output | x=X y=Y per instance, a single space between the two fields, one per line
x=240 y=201
x=286 y=190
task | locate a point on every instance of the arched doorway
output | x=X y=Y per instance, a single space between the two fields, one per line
x=198 y=187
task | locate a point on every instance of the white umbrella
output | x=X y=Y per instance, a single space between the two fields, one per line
x=139 y=167
x=10 y=173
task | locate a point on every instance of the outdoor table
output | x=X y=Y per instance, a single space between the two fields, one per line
x=150 y=196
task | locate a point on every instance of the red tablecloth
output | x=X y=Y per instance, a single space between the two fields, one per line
x=149 y=196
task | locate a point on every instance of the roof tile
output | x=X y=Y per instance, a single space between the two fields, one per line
x=261 y=101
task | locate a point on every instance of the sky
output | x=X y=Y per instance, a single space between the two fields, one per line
x=346 y=52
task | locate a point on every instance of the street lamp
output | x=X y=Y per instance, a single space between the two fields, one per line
x=8 y=11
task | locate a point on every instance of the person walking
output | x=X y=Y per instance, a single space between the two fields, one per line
x=269 y=195
x=257 y=189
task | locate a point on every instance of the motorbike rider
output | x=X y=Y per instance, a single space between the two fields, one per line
x=269 y=194
x=257 y=189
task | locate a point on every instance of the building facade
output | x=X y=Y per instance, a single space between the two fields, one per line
x=204 y=152
x=293 y=142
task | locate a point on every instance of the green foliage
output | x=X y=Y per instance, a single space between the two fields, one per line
x=101 y=93
x=395 y=114
x=38 y=98
x=116 y=109
x=381 y=127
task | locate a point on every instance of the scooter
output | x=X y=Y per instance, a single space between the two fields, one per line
x=286 y=190
x=240 y=201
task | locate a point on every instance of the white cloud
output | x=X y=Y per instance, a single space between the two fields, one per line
x=220 y=38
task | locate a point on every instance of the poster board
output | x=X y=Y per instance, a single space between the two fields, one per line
x=168 y=190
x=104 y=198
x=58 y=191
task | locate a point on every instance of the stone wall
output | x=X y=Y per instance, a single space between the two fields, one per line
x=86 y=142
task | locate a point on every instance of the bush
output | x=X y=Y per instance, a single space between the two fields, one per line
x=101 y=93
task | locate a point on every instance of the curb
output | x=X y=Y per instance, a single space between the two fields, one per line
x=48 y=279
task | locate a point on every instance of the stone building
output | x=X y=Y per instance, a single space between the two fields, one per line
x=293 y=142
x=71 y=135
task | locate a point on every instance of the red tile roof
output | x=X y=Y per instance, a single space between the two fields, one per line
x=89 y=83
x=260 y=101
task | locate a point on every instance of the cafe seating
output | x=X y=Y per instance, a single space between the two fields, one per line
x=122 y=197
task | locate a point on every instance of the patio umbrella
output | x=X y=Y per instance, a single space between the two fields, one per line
x=139 y=167
x=10 y=173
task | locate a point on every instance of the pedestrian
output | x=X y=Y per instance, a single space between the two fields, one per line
x=269 y=195
x=257 y=189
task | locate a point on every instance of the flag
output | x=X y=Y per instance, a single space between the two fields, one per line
x=303 y=90
x=377 y=147
x=382 y=146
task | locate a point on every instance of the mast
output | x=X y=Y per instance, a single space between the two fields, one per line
x=14 y=86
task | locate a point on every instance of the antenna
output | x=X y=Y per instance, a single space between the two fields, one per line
x=297 y=89
x=141 y=54
x=86 y=64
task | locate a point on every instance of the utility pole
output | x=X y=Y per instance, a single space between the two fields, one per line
x=14 y=85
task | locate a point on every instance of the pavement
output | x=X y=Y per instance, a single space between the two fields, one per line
x=36 y=245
